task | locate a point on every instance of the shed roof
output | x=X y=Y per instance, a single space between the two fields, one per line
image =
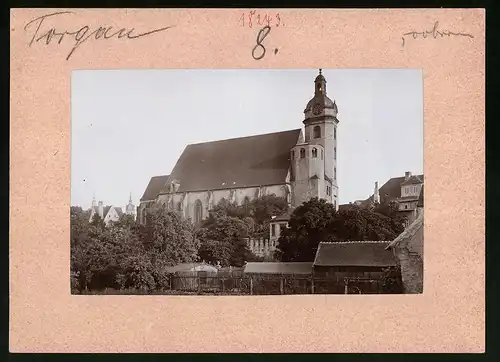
x=303 y=268
x=354 y=253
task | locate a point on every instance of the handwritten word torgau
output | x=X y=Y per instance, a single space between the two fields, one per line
x=434 y=33
x=81 y=35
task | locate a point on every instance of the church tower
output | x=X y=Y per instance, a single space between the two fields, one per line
x=130 y=208
x=314 y=161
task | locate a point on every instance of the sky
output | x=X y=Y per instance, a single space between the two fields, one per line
x=130 y=125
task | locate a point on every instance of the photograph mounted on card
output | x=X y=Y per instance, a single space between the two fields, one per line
x=176 y=169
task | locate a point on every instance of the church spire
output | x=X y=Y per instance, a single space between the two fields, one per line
x=94 y=203
x=130 y=199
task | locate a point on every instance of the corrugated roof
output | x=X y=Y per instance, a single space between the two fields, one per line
x=154 y=187
x=354 y=253
x=278 y=268
x=239 y=162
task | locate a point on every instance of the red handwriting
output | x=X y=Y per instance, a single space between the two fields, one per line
x=256 y=18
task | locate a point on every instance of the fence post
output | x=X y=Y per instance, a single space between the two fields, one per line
x=222 y=284
x=251 y=285
x=281 y=285
x=170 y=280
x=312 y=285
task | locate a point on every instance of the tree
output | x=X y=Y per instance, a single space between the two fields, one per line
x=222 y=240
x=167 y=237
x=316 y=220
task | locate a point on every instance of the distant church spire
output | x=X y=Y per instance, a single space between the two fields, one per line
x=130 y=199
x=94 y=203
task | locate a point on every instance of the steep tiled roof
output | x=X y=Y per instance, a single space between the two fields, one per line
x=408 y=233
x=354 y=253
x=238 y=162
x=278 y=268
x=420 y=202
x=154 y=187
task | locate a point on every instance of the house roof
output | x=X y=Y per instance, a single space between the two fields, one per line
x=154 y=187
x=239 y=162
x=420 y=202
x=391 y=190
x=408 y=233
x=304 y=268
x=413 y=180
x=283 y=217
x=354 y=253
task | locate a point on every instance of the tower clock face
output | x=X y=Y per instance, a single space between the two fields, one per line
x=317 y=109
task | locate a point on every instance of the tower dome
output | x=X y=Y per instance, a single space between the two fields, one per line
x=320 y=104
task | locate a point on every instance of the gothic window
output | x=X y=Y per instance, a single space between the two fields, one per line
x=335 y=153
x=335 y=173
x=198 y=211
x=334 y=133
x=302 y=153
x=273 y=230
x=246 y=203
x=322 y=154
x=317 y=132
x=315 y=152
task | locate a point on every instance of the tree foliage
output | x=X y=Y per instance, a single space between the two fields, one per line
x=316 y=220
x=126 y=255
x=223 y=233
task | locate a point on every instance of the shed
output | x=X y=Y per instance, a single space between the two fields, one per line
x=274 y=268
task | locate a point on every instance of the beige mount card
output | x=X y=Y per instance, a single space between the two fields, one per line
x=448 y=45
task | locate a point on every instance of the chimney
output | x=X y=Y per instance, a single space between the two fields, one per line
x=100 y=209
x=376 y=195
x=407 y=175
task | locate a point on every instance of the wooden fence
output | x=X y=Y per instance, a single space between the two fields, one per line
x=240 y=284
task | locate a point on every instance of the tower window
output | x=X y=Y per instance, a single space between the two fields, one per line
x=302 y=153
x=335 y=152
x=315 y=152
x=335 y=173
x=334 y=133
x=317 y=132
x=293 y=154
x=322 y=154
x=198 y=211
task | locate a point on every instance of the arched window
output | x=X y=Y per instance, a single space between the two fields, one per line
x=334 y=133
x=246 y=203
x=317 y=132
x=335 y=173
x=335 y=153
x=315 y=152
x=302 y=153
x=198 y=211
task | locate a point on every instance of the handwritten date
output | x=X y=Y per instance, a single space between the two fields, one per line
x=256 y=18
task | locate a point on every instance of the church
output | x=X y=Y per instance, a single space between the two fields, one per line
x=296 y=164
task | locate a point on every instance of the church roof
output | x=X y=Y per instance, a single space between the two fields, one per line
x=154 y=187
x=239 y=162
